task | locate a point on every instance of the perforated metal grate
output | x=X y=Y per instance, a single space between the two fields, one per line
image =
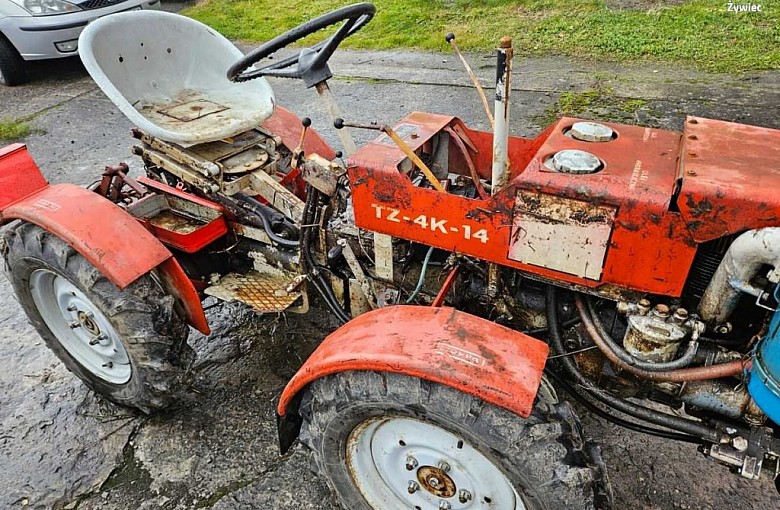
x=97 y=4
x=262 y=291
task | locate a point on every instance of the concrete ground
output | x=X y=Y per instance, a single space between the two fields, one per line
x=63 y=447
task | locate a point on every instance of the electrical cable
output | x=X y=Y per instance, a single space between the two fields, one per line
x=421 y=280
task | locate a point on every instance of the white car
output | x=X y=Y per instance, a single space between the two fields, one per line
x=41 y=29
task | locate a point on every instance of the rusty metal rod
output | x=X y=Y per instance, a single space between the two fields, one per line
x=339 y=124
x=469 y=162
x=500 y=170
x=731 y=369
x=450 y=38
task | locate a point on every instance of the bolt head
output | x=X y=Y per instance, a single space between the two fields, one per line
x=444 y=466
x=464 y=496
x=412 y=487
x=411 y=463
x=740 y=443
x=444 y=505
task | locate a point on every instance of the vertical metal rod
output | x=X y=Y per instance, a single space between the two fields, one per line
x=335 y=113
x=500 y=174
x=450 y=38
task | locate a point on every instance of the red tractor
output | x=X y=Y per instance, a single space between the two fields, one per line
x=646 y=261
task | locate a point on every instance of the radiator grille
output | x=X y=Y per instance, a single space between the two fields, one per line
x=97 y=4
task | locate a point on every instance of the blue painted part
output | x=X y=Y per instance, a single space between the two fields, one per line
x=764 y=378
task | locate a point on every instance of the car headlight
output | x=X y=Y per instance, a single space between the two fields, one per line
x=46 y=7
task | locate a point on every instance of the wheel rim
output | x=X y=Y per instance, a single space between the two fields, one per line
x=80 y=327
x=398 y=462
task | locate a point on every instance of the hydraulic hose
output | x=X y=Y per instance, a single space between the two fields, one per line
x=682 y=361
x=307 y=261
x=636 y=427
x=733 y=368
x=256 y=208
x=658 y=418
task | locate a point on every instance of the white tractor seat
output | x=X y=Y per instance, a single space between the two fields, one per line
x=167 y=74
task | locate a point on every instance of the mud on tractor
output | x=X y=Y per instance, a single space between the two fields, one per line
x=474 y=273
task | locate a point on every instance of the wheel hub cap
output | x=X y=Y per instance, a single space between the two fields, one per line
x=80 y=326
x=405 y=463
x=436 y=482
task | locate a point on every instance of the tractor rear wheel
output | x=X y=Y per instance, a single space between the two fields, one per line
x=129 y=345
x=386 y=440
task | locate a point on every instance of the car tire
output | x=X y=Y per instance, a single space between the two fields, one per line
x=12 y=68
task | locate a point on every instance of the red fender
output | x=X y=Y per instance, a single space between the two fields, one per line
x=443 y=345
x=107 y=236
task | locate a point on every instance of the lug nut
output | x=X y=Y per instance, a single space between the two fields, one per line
x=74 y=325
x=464 y=496
x=444 y=466
x=412 y=487
x=444 y=505
x=98 y=339
x=411 y=463
x=72 y=307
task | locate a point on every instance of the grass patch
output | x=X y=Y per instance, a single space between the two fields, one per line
x=14 y=129
x=698 y=32
x=599 y=103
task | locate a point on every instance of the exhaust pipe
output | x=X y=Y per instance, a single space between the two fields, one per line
x=744 y=259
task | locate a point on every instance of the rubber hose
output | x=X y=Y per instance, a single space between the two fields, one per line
x=256 y=208
x=636 y=427
x=682 y=361
x=658 y=418
x=729 y=369
x=315 y=277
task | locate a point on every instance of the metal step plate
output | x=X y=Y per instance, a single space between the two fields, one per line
x=264 y=292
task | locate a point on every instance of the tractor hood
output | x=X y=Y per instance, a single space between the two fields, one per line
x=730 y=178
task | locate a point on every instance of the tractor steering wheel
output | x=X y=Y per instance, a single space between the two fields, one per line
x=311 y=64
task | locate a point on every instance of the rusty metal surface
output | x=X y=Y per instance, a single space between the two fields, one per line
x=90 y=223
x=730 y=177
x=175 y=222
x=265 y=292
x=436 y=481
x=473 y=355
x=637 y=182
x=192 y=110
x=566 y=235
x=20 y=176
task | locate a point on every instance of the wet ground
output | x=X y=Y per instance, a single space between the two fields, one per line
x=63 y=447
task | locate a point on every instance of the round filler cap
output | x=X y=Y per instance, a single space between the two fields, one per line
x=572 y=161
x=591 y=132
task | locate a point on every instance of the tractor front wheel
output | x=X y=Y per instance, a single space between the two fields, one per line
x=392 y=441
x=129 y=345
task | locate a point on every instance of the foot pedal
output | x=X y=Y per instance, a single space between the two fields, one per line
x=264 y=292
